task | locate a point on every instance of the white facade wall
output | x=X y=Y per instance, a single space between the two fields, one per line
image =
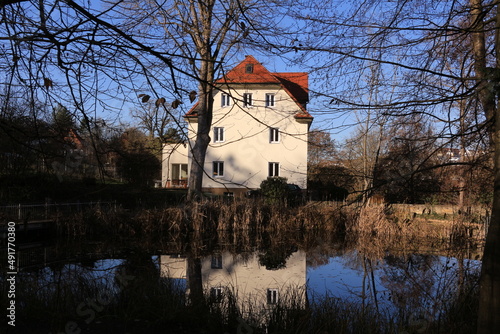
x=172 y=154
x=246 y=150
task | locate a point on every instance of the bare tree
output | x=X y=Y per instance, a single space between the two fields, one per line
x=101 y=58
x=153 y=120
x=412 y=43
x=405 y=171
x=204 y=32
x=79 y=55
x=321 y=148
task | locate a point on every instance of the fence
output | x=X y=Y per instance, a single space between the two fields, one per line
x=49 y=210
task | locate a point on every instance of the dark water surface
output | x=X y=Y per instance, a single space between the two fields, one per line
x=85 y=286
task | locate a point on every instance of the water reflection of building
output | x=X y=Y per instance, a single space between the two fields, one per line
x=245 y=277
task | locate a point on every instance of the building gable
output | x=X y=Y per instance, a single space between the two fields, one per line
x=251 y=72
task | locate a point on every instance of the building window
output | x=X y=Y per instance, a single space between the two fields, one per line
x=218 y=168
x=179 y=171
x=269 y=100
x=216 y=294
x=179 y=175
x=216 y=261
x=225 y=100
x=272 y=296
x=274 y=135
x=247 y=100
x=249 y=68
x=218 y=135
x=274 y=169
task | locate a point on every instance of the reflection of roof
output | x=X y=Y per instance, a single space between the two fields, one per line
x=294 y=83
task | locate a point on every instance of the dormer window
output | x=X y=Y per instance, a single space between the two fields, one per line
x=216 y=261
x=249 y=68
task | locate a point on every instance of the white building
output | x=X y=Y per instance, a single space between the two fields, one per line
x=259 y=130
x=175 y=158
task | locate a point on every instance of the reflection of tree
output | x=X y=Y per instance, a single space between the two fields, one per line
x=317 y=259
x=274 y=254
x=196 y=246
x=140 y=264
x=411 y=281
x=194 y=280
x=138 y=279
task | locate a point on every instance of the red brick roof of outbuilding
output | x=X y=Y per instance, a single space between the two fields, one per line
x=74 y=138
x=294 y=83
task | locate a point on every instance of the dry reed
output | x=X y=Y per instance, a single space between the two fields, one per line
x=368 y=228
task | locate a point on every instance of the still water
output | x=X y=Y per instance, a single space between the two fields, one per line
x=81 y=284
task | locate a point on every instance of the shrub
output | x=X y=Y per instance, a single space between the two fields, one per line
x=275 y=189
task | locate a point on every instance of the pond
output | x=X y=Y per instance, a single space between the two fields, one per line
x=245 y=283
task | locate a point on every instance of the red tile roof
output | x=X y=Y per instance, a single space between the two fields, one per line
x=294 y=83
x=239 y=74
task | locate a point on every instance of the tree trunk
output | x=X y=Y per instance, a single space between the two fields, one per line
x=205 y=92
x=462 y=172
x=489 y=299
x=199 y=149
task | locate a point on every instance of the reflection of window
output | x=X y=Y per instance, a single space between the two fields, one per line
x=216 y=294
x=272 y=296
x=274 y=169
x=274 y=135
x=269 y=100
x=225 y=100
x=218 y=135
x=216 y=261
x=247 y=100
x=218 y=168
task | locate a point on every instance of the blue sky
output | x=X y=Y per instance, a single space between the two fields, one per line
x=335 y=119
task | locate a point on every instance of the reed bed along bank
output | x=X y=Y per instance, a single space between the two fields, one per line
x=207 y=216
x=366 y=225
